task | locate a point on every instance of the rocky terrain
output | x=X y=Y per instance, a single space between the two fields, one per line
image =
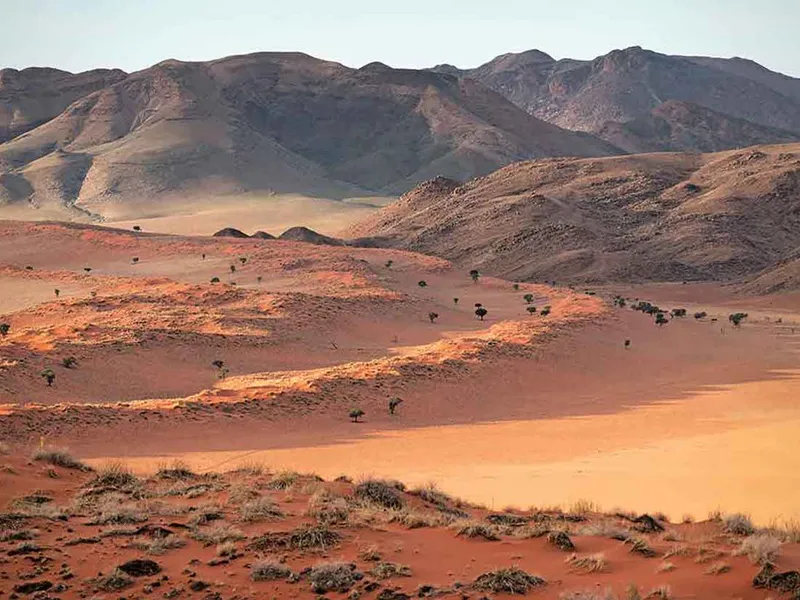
x=658 y=217
x=631 y=90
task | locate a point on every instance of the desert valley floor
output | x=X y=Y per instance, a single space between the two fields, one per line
x=518 y=410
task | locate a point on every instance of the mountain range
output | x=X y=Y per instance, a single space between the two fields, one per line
x=288 y=122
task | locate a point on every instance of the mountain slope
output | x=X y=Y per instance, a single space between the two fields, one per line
x=661 y=217
x=277 y=122
x=686 y=127
x=33 y=96
x=628 y=84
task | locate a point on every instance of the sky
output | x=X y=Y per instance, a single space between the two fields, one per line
x=77 y=35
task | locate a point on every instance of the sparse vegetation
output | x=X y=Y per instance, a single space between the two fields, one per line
x=718 y=568
x=387 y=570
x=510 y=581
x=738 y=524
x=333 y=577
x=177 y=470
x=531 y=309
x=545 y=311
x=259 y=509
x=760 y=548
x=4 y=329
x=113 y=582
x=474 y=275
x=422 y=283
x=49 y=376
x=356 y=414
x=481 y=312
x=59 y=458
x=593 y=563
x=476 y=529
x=114 y=474
x=215 y=280
x=561 y=540
x=640 y=546
x=267 y=570
x=393 y=404
x=627 y=344
x=69 y=362
x=389 y=264
x=382 y=493
x=159 y=545
x=528 y=298
x=661 y=319
x=284 y=480
x=455 y=301
x=737 y=318
x=57 y=292
x=216 y=535
x=700 y=315
x=433 y=316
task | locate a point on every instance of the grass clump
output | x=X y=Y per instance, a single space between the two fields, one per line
x=227 y=549
x=328 y=509
x=662 y=592
x=59 y=458
x=641 y=547
x=387 y=570
x=113 y=582
x=159 y=545
x=218 y=534
x=283 y=480
x=266 y=570
x=383 y=493
x=177 y=470
x=588 y=595
x=592 y=563
x=665 y=567
x=561 y=540
x=116 y=475
x=510 y=581
x=114 y=510
x=306 y=538
x=760 y=549
x=417 y=519
x=333 y=577
x=205 y=514
x=606 y=529
x=718 y=568
x=738 y=524
x=476 y=529
x=259 y=509
x=18 y=536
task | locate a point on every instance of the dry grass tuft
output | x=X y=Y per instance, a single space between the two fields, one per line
x=113 y=509
x=333 y=577
x=718 y=568
x=226 y=549
x=607 y=594
x=476 y=529
x=59 y=458
x=328 y=509
x=561 y=540
x=205 y=513
x=260 y=509
x=218 y=534
x=381 y=493
x=761 y=548
x=738 y=524
x=605 y=529
x=283 y=480
x=536 y=530
x=678 y=550
x=115 y=475
x=662 y=592
x=510 y=581
x=641 y=547
x=5 y=449
x=592 y=563
x=665 y=567
x=267 y=570
x=176 y=470
x=113 y=582
x=159 y=545
x=387 y=570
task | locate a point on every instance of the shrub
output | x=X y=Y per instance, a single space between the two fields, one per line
x=389 y=264
x=4 y=329
x=356 y=414
x=260 y=509
x=545 y=311
x=386 y=570
x=528 y=298
x=738 y=524
x=176 y=470
x=560 y=540
x=455 y=301
x=678 y=312
x=531 y=309
x=661 y=319
x=215 y=280
x=481 y=312
x=284 y=480
x=476 y=529
x=593 y=563
x=306 y=538
x=761 y=548
x=393 y=404
x=433 y=316
x=114 y=474
x=737 y=318
x=206 y=513
x=641 y=547
x=59 y=458
x=159 y=545
x=510 y=581
x=422 y=283
x=49 y=375
x=333 y=577
x=474 y=274
x=700 y=315
x=382 y=493
x=328 y=509
x=115 y=581
x=265 y=570
x=218 y=534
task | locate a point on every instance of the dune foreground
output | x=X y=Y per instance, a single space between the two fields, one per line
x=245 y=360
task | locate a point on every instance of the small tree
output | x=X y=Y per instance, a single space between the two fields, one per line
x=678 y=312
x=87 y=269
x=137 y=228
x=475 y=274
x=433 y=316
x=356 y=414
x=422 y=283
x=528 y=298
x=29 y=268
x=218 y=364
x=627 y=344
x=49 y=375
x=737 y=318
x=243 y=259
x=69 y=362
x=203 y=255
x=259 y=278
x=389 y=264
x=700 y=315
x=58 y=292
x=545 y=311
x=661 y=319
x=393 y=404
x=135 y=259
x=223 y=372
x=478 y=305
x=516 y=287
x=4 y=329
x=455 y=301
x=233 y=268
x=531 y=309
x=481 y=312
x=215 y=280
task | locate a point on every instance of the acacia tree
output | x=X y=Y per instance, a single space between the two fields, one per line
x=627 y=344
x=422 y=283
x=475 y=274
x=4 y=329
x=531 y=309
x=455 y=301
x=243 y=259
x=528 y=298
x=433 y=316
x=389 y=264
x=49 y=376
x=393 y=404
x=356 y=414
x=233 y=268
x=516 y=287
x=57 y=291
x=481 y=312
x=661 y=319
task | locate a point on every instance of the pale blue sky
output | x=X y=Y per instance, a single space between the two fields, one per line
x=132 y=34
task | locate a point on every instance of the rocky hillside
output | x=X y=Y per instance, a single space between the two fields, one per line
x=271 y=121
x=627 y=85
x=661 y=217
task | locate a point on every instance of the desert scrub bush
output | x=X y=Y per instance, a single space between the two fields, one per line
x=283 y=480
x=59 y=458
x=432 y=494
x=227 y=549
x=665 y=567
x=267 y=570
x=640 y=546
x=476 y=529
x=583 y=508
x=177 y=469
x=216 y=534
x=113 y=582
x=677 y=550
x=662 y=592
x=718 y=568
x=206 y=513
x=303 y=538
x=592 y=563
x=370 y=554
x=738 y=524
x=20 y=535
x=535 y=530
x=705 y=555
x=605 y=529
x=760 y=549
x=561 y=540
x=333 y=577
x=160 y=545
x=252 y=468
x=387 y=570
x=413 y=519
x=114 y=474
x=510 y=581
x=327 y=508
x=240 y=492
x=259 y=509
x=380 y=492
x=113 y=509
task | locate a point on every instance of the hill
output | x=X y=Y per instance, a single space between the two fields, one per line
x=625 y=85
x=271 y=122
x=659 y=217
